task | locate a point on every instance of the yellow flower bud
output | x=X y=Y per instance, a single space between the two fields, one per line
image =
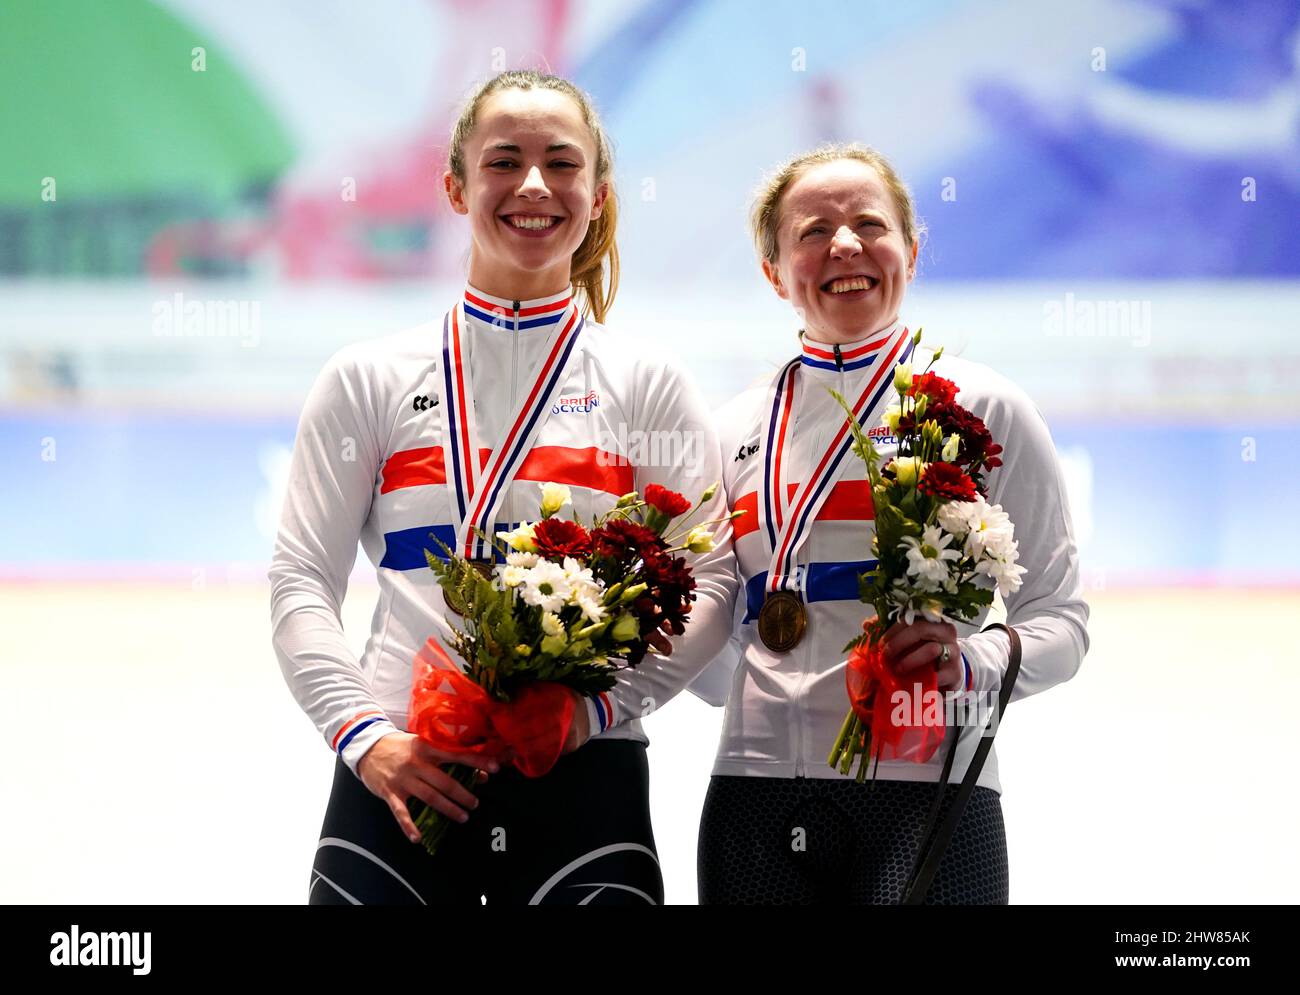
x=554 y=497
x=632 y=593
x=699 y=540
x=521 y=539
x=907 y=470
x=626 y=628
x=902 y=377
x=892 y=414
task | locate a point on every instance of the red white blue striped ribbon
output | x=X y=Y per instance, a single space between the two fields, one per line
x=477 y=494
x=788 y=525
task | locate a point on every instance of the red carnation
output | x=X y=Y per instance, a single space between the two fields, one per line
x=946 y=480
x=557 y=538
x=936 y=388
x=666 y=502
x=668 y=596
x=622 y=540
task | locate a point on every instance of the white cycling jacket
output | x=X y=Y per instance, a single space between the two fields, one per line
x=784 y=710
x=368 y=462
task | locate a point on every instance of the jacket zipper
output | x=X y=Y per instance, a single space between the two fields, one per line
x=515 y=364
x=514 y=367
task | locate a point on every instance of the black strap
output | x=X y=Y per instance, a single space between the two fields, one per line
x=928 y=857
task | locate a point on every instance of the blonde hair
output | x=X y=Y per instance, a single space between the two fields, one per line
x=765 y=215
x=587 y=269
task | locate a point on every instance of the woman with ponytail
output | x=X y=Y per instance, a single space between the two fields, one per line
x=386 y=453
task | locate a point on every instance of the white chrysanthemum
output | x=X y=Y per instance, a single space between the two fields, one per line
x=589 y=602
x=551 y=624
x=522 y=559
x=998 y=543
x=990 y=529
x=928 y=557
x=1003 y=570
x=546 y=585
x=581 y=582
x=576 y=572
x=953 y=518
x=508 y=576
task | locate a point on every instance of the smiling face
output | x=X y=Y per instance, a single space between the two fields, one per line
x=842 y=259
x=530 y=192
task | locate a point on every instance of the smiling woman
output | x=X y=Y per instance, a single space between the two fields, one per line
x=837 y=237
x=529 y=167
x=850 y=237
x=543 y=211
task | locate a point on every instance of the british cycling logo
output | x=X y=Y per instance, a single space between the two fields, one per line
x=588 y=884
x=78 y=949
x=577 y=405
x=423 y=402
x=878 y=434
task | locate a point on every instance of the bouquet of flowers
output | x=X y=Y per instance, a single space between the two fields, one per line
x=569 y=606
x=940 y=547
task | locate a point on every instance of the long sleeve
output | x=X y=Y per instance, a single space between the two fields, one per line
x=1048 y=610
x=331 y=483
x=713 y=684
x=682 y=451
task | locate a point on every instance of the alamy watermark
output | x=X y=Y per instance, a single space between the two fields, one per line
x=1098 y=319
x=183 y=317
x=654 y=449
x=77 y=949
x=917 y=707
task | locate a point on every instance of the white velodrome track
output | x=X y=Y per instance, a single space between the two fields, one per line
x=155 y=755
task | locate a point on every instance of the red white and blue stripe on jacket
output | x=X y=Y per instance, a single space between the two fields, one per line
x=832 y=559
x=419 y=477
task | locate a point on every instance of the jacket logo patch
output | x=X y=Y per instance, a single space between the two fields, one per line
x=576 y=405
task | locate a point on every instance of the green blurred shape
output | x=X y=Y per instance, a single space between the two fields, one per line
x=103 y=98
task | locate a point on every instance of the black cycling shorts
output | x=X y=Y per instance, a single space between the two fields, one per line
x=579 y=835
x=807 y=841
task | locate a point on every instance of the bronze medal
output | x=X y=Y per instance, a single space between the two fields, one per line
x=454 y=602
x=782 y=621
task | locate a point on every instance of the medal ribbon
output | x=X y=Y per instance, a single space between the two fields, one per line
x=477 y=494
x=788 y=525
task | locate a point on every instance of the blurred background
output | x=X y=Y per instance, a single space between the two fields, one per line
x=201 y=202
